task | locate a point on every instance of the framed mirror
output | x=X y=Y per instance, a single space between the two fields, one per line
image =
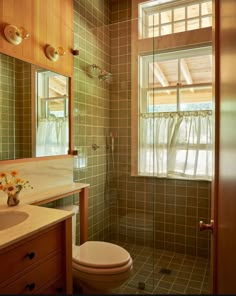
x=34 y=111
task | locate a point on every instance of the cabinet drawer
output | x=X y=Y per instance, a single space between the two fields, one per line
x=35 y=279
x=57 y=287
x=29 y=252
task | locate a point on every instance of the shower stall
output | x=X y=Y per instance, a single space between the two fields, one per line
x=143 y=98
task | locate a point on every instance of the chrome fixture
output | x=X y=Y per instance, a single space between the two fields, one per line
x=97 y=72
x=204 y=226
x=95 y=147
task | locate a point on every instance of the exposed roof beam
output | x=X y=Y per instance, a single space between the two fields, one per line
x=159 y=74
x=185 y=72
x=57 y=91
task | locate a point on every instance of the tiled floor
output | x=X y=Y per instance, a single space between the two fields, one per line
x=165 y=272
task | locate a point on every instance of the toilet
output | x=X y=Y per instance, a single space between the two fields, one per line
x=98 y=267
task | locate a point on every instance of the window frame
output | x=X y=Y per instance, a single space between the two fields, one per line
x=182 y=40
x=150 y=8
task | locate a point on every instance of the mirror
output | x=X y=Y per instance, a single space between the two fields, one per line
x=34 y=110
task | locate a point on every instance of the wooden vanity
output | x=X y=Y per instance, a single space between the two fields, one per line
x=37 y=264
x=36 y=255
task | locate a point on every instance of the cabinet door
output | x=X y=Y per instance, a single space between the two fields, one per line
x=48 y=22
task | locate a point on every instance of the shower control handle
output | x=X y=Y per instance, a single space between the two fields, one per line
x=95 y=147
x=204 y=226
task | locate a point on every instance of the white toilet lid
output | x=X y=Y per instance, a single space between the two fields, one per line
x=100 y=255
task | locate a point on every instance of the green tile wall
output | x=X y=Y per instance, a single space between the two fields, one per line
x=7 y=123
x=23 y=110
x=146 y=211
x=15 y=104
x=91 y=107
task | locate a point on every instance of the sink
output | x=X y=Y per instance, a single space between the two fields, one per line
x=11 y=218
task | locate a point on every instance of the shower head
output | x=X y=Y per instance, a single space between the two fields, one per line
x=96 y=71
x=105 y=76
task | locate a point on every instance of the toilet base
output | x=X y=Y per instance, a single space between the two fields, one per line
x=96 y=284
x=81 y=288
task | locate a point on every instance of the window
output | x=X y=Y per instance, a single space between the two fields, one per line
x=177 y=81
x=175 y=121
x=52 y=95
x=52 y=131
x=157 y=18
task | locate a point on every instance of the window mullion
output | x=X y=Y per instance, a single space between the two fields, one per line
x=172 y=20
x=200 y=15
x=178 y=84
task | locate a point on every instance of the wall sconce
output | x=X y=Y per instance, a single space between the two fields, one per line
x=54 y=53
x=15 y=35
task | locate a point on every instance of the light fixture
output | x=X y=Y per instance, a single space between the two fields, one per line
x=54 y=53
x=15 y=35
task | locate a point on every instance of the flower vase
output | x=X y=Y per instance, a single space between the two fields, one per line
x=13 y=199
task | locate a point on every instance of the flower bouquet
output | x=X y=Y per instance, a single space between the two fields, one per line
x=12 y=185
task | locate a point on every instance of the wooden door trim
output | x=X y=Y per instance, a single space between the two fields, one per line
x=215 y=183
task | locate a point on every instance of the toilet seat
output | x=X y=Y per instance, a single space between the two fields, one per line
x=97 y=257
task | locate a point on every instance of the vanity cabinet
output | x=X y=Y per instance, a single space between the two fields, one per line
x=41 y=263
x=48 y=23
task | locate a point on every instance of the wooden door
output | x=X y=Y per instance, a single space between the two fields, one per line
x=224 y=253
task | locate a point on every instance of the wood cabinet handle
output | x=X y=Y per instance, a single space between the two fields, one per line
x=30 y=287
x=30 y=255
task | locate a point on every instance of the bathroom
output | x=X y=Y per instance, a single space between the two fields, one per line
x=146 y=215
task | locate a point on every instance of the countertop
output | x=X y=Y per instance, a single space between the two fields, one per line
x=39 y=218
x=51 y=179
x=44 y=193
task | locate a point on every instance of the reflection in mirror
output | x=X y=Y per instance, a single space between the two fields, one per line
x=52 y=114
x=33 y=111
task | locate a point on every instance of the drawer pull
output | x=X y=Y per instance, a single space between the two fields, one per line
x=30 y=287
x=30 y=255
x=59 y=290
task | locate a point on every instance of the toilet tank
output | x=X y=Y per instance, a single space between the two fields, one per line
x=75 y=210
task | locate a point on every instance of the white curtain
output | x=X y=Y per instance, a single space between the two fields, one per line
x=177 y=144
x=52 y=137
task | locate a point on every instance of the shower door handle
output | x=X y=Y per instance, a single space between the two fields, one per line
x=204 y=226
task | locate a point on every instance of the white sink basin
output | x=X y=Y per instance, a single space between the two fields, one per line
x=11 y=218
